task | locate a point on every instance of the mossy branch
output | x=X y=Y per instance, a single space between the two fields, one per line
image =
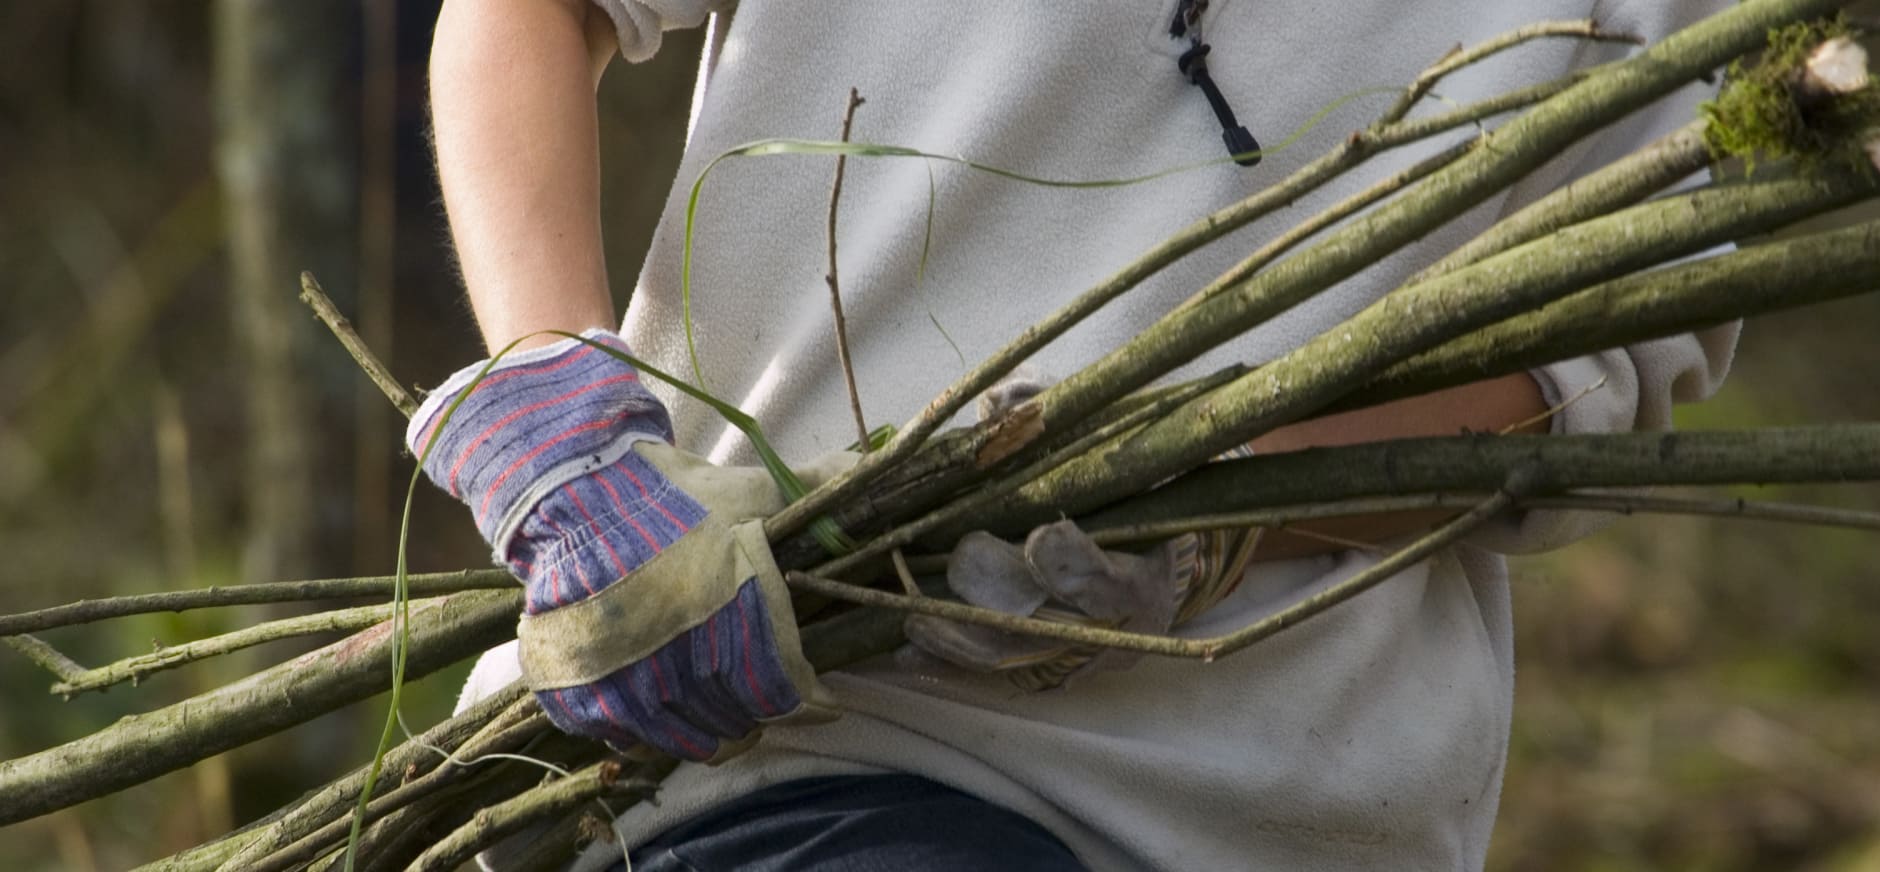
x=1765 y=278
x=1415 y=319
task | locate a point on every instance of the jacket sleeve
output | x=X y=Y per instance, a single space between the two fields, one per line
x=1630 y=388
x=640 y=24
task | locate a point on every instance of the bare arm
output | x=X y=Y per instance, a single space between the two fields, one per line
x=516 y=136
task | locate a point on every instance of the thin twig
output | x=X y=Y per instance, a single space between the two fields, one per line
x=1338 y=212
x=514 y=728
x=1149 y=643
x=1556 y=409
x=134 y=669
x=1412 y=554
x=1616 y=185
x=1459 y=57
x=323 y=308
x=1752 y=510
x=237 y=851
x=556 y=798
x=1787 y=513
x=993 y=492
x=387 y=845
x=1329 y=539
x=88 y=611
x=1413 y=129
x=835 y=289
x=39 y=651
x=908 y=585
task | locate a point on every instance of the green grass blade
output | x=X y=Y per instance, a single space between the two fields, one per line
x=781 y=146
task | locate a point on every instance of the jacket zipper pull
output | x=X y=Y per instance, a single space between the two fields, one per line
x=1193 y=64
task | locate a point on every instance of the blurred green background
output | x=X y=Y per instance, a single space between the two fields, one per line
x=1691 y=693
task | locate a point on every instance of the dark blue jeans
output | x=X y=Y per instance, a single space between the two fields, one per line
x=856 y=823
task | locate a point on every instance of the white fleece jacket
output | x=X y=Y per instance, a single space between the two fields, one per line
x=1373 y=736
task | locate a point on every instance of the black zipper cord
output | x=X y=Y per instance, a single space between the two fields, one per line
x=1193 y=64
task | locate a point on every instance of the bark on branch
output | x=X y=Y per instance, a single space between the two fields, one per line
x=141 y=747
x=87 y=611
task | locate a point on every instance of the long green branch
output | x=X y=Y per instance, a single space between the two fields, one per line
x=140 y=747
x=1598 y=99
x=1765 y=278
x=134 y=669
x=1352 y=152
x=1460 y=58
x=1521 y=146
x=1621 y=183
x=1463 y=464
x=1415 y=319
x=1352 y=205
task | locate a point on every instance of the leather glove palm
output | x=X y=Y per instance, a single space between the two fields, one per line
x=1060 y=574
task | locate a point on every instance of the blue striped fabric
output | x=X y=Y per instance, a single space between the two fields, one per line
x=597 y=528
x=541 y=452
x=537 y=419
x=714 y=682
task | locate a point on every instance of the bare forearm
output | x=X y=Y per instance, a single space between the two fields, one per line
x=1482 y=407
x=513 y=114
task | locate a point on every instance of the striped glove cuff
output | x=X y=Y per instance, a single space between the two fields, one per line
x=538 y=420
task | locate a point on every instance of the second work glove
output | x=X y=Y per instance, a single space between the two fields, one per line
x=1060 y=574
x=654 y=611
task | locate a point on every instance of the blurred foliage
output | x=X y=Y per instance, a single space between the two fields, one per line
x=121 y=420
x=1692 y=693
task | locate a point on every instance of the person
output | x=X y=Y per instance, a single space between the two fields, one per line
x=1372 y=736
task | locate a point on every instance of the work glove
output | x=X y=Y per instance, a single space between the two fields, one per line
x=1060 y=574
x=654 y=611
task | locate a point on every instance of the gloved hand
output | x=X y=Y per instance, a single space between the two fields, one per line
x=1060 y=574
x=653 y=610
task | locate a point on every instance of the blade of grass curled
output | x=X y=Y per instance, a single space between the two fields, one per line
x=920 y=269
x=779 y=146
x=826 y=531
x=401 y=611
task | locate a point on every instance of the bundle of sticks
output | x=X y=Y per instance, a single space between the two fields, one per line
x=1580 y=270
